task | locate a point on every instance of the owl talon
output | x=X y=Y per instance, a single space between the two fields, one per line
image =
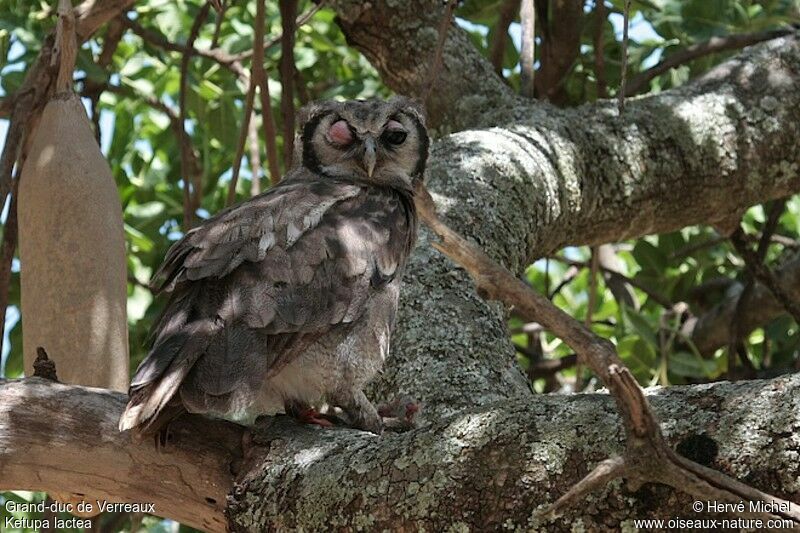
x=312 y=416
x=307 y=415
x=399 y=414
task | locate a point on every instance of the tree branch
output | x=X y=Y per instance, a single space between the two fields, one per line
x=713 y=329
x=230 y=62
x=497 y=49
x=437 y=476
x=716 y=44
x=243 y=134
x=191 y=175
x=761 y=272
x=527 y=19
x=308 y=477
x=46 y=427
x=260 y=76
x=288 y=9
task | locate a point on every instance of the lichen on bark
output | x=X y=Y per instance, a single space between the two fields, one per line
x=496 y=466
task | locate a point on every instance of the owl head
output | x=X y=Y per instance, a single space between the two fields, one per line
x=375 y=141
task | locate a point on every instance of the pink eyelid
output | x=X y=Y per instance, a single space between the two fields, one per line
x=339 y=133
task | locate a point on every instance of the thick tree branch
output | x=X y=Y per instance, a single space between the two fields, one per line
x=525 y=451
x=646 y=458
x=46 y=429
x=398 y=38
x=432 y=477
x=584 y=176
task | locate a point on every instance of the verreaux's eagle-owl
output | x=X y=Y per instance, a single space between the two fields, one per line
x=290 y=298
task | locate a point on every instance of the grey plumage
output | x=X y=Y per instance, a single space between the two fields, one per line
x=290 y=298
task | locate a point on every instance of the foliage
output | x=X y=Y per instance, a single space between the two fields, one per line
x=144 y=154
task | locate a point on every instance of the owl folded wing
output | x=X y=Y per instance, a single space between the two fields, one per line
x=271 y=274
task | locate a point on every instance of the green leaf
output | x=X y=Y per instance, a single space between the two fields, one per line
x=640 y=325
x=649 y=257
x=690 y=365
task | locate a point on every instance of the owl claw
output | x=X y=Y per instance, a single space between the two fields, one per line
x=312 y=416
x=306 y=414
x=400 y=413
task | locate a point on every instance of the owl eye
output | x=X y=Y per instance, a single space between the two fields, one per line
x=340 y=133
x=395 y=137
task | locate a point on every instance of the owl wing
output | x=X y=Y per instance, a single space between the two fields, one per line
x=270 y=275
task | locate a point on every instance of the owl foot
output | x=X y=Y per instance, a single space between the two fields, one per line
x=307 y=415
x=399 y=414
x=358 y=412
x=312 y=416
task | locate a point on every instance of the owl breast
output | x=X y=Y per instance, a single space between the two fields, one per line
x=349 y=355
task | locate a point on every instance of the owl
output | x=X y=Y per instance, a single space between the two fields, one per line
x=289 y=299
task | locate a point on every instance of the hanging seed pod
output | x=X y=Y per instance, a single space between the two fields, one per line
x=72 y=248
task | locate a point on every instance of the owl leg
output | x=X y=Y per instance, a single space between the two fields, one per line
x=360 y=412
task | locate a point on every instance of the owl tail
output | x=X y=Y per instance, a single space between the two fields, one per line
x=157 y=380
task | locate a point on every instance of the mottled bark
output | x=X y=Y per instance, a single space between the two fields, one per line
x=483 y=468
x=495 y=467
x=399 y=38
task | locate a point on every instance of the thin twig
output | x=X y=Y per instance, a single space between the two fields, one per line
x=736 y=344
x=300 y=85
x=624 y=67
x=300 y=21
x=230 y=62
x=10 y=236
x=571 y=273
x=594 y=265
x=527 y=17
x=190 y=181
x=237 y=161
x=172 y=114
x=111 y=41
x=260 y=76
x=436 y=61
x=633 y=282
x=604 y=472
x=497 y=48
x=716 y=44
x=765 y=276
x=599 y=45
x=287 y=69
x=223 y=7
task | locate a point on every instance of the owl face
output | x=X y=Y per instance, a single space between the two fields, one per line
x=385 y=143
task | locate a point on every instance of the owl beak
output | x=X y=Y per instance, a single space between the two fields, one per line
x=369 y=155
